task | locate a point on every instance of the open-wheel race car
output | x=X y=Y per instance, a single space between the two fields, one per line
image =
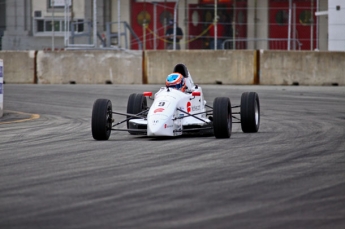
x=176 y=112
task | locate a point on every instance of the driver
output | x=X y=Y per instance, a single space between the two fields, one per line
x=177 y=81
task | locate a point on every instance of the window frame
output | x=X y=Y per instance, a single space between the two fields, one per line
x=60 y=20
x=57 y=8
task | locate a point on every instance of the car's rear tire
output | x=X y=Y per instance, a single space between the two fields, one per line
x=101 y=121
x=222 y=117
x=250 y=112
x=136 y=104
x=130 y=105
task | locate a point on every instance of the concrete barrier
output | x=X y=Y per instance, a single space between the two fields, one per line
x=1 y=88
x=302 y=68
x=205 y=66
x=89 y=67
x=20 y=66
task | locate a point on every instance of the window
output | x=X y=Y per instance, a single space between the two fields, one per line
x=306 y=17
x=39 y=25
x=79 y=26
x=44 y=27
x=282 y=17
x=48 y=26
x=58 y=3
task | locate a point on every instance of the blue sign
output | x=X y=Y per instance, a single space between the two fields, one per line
x=0 y=88
x=1 y=67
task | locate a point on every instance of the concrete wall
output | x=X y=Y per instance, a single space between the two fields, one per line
x=89 y=67
x=205 y=66
x=19 y=66
x=305 y=68
x=1 y=89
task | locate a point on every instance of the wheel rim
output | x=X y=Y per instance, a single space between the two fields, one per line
x=256 y=114
x=229 y=123
x=108 y=118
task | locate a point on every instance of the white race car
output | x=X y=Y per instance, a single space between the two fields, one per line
x=175 y=113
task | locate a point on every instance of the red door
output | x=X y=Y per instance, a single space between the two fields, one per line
x=279 y=20
x=201 y=16
x=241 y=24
x=145 y=11
x=304 y=12
x=196 y=27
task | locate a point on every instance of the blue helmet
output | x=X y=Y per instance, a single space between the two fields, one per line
x=176 y=80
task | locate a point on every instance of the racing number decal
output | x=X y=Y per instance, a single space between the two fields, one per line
x=161 y=104
x=189 y=106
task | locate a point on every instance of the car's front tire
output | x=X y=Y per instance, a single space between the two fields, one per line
x=101 y=121
x=250 y=112
x=222 y=117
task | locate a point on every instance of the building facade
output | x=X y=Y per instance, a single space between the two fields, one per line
x=245 y=24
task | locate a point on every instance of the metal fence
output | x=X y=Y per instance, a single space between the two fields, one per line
x=257 y=43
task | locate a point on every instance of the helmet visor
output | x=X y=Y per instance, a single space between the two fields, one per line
x=176 y=86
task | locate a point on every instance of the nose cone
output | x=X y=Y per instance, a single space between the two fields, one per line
x=159 y=125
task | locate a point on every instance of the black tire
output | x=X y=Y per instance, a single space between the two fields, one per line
x=250 y=112
x=222 y=117
x=136 y=104
x=101 y=121
x=130 y=106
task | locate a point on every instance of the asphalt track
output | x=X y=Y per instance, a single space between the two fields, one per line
x=289 y=175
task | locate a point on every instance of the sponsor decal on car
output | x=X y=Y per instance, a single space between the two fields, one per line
x=196 y=108
x=158 y=110
x=168 y=126
x=189 y=105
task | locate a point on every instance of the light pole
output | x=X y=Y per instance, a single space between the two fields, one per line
x=95 y=23
x=215 y=24
x=175 y=17
x=289 y=28
x=53 y=26
x=312 y=27
x=118 y=23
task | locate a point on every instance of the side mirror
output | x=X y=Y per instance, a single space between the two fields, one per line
x=147 y=93
x=196 y=93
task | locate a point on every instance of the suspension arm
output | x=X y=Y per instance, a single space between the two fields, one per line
x=190 y=115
